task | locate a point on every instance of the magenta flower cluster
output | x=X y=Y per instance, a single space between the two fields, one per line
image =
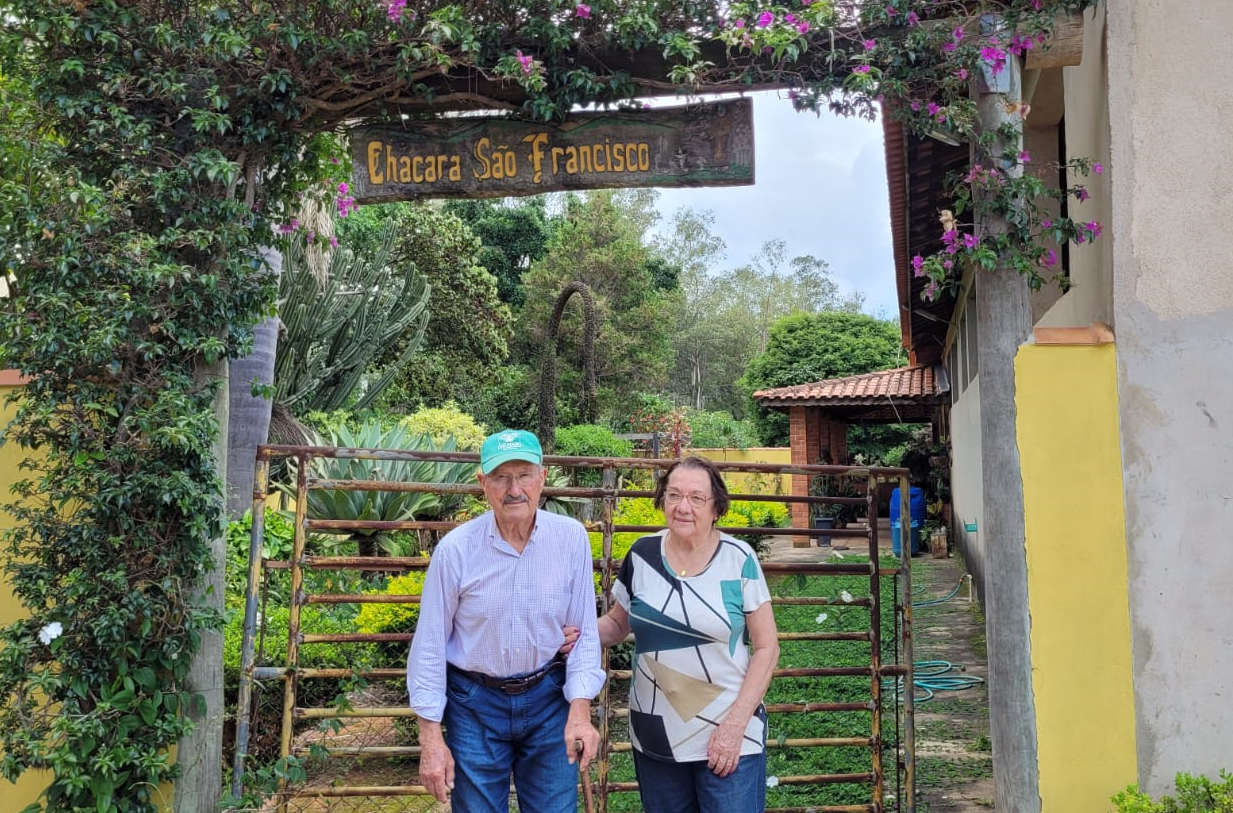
x=346 y=203
x=394 y=10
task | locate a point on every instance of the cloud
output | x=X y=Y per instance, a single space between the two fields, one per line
x=820 y=186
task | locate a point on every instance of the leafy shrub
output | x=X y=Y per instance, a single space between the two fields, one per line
x=756 y=515
x=629 y=511
x=446 y=422
x=719 y=430
x=1195 y=794
x=375 y=618
x=589 y=440
x=310 y=692
x=277 y=542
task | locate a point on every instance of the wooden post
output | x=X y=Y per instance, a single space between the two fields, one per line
x=1004 y=322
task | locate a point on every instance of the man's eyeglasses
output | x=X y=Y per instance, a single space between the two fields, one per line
x=524 y=480
x=696 y=500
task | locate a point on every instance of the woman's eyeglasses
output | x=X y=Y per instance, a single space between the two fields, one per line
x=696 y=500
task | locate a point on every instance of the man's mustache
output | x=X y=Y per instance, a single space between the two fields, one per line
x=514 y=500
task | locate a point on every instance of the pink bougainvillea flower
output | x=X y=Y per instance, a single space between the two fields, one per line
x=962 y=73
x=333 y=242
x=891 y=11
x=870 y=44
x=1020 y=44
x=789 y=18
x=394 y=10
x=765 y=19
x=1025 y=157
x=739 y=24
x=1046 y=224
x=957 y=34
x=948 y=264
x=970 y=241
x=1037 y=5
x=525 y=61
x=802 y=26
x=583 y=10
x=913 y=19
x=918 y=266
x=931 y=291
x=1081 y=194
x=1098 y=167
x=915 y=105
x=1050 y=259
x=1093 y=227
x=342 y=188
x=996 y=57
x=949 y=47
x=861 y=69
x=932 y=109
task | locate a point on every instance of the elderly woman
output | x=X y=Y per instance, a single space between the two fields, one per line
x=695 y=599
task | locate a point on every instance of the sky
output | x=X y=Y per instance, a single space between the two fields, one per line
x=820 y=187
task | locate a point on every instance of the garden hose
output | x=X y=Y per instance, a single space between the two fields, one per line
x=930 y=677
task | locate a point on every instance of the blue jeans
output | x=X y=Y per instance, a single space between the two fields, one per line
x=691 y=787
x=492 y=734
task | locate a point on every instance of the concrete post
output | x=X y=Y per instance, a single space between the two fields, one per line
x=1004 y=322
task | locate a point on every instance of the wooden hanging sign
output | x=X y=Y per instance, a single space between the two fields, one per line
x=472 y=157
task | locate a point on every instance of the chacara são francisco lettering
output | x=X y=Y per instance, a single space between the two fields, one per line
x=488 y=161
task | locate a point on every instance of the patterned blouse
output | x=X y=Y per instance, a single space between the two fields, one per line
x=691 y=647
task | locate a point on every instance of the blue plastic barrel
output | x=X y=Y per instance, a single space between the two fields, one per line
x=916 y=512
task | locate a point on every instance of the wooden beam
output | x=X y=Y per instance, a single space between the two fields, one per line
x=1063 y=49
x=1095 y=333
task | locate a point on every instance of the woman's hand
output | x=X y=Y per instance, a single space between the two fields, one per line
x=724 y=749
x=571 y=637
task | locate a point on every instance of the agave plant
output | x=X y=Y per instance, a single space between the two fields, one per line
x=332 y=503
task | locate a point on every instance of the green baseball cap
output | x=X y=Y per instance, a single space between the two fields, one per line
x=507 y=445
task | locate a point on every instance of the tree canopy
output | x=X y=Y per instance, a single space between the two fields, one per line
x=814 y=347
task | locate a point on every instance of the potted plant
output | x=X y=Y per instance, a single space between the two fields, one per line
x=937 y=530
x=832 y=515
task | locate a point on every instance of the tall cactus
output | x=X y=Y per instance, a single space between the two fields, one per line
x=548 y=370
x=336 y=326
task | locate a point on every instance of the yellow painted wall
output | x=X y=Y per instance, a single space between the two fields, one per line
x=27 y=789
x=756 y=454
x=1077 y=579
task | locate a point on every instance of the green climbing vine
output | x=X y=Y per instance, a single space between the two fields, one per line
x=150 y=147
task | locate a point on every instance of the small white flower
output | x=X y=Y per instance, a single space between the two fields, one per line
x=821 y=618
x=837 y=555
x=772 y=781
x=51 y=632
x=846 y=596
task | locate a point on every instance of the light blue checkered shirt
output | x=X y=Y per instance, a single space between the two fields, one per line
x=487 y=608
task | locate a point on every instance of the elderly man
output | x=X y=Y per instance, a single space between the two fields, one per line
x=493 y=695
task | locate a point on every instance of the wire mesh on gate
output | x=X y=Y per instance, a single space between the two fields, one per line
x=347 y=741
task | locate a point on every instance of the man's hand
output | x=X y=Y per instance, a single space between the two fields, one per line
x=571 y=637
x=436 y=761
x=578 y=729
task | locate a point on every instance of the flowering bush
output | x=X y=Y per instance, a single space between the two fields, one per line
x=393 y=617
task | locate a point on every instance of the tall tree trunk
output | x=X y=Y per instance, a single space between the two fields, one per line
x=248 y=422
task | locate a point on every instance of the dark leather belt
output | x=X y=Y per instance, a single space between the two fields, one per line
x=512 y=685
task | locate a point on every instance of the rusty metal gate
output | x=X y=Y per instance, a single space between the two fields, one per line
x=337 y=735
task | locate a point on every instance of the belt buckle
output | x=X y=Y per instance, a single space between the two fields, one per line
x=515 y=686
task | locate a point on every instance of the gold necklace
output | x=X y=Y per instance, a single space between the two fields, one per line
x=683 y=571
